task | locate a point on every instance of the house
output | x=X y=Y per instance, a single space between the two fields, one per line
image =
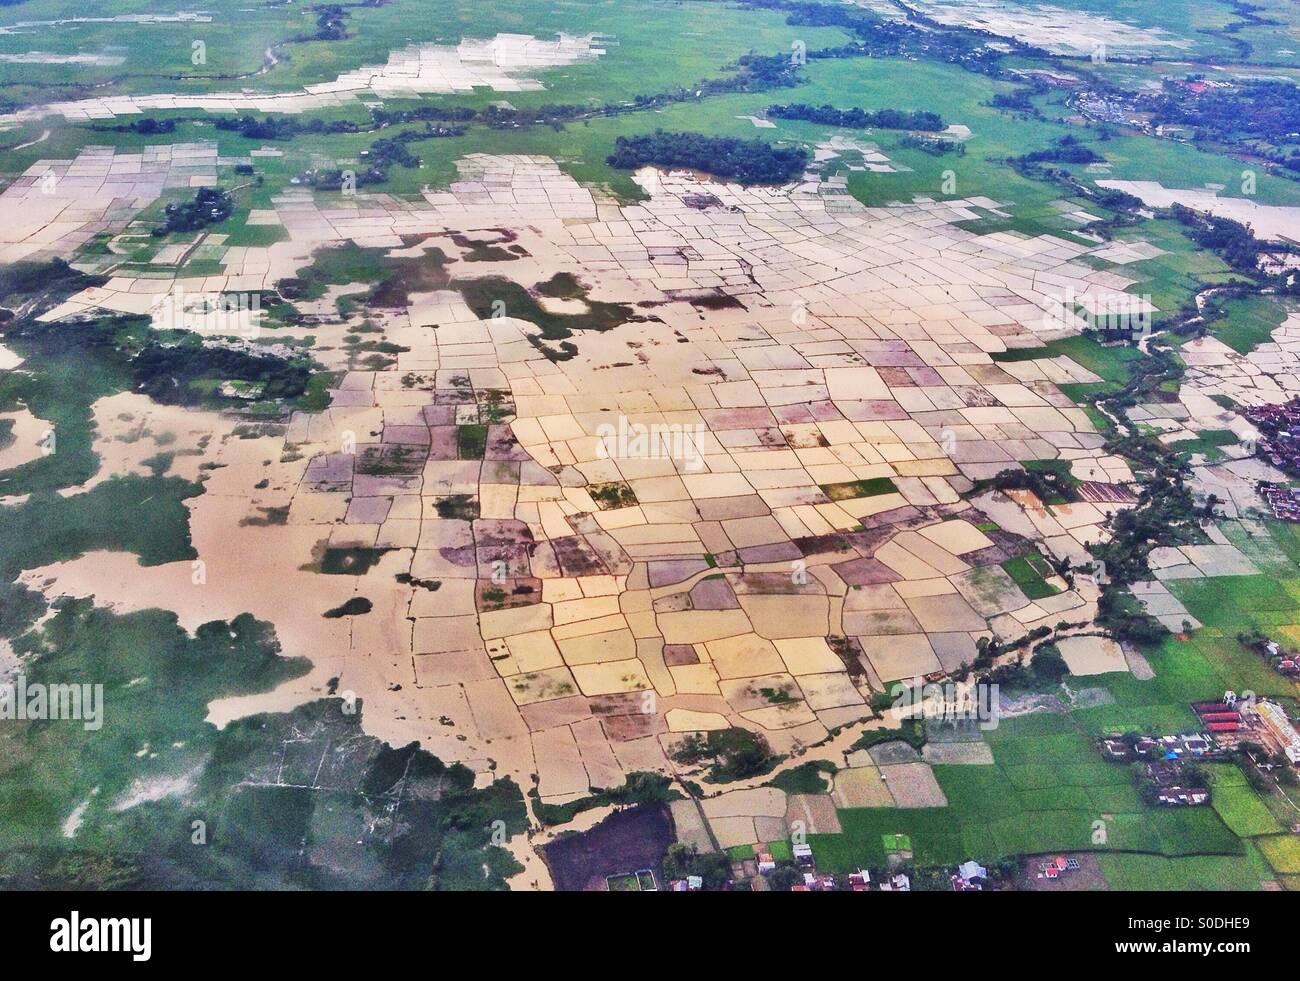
x=1183 y=796
x=1176 y=747
x=1279 y=727
x=970 y=877
x=896 y=883
x=860 y=881
x=1164 y=772
x=766 y=863
x=1280 y=446
x=1057 y=866
x=803 y=854
x=825 y=882
x=1115 y=749
x=972 y=870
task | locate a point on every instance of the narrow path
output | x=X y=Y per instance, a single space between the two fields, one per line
x=40 y=139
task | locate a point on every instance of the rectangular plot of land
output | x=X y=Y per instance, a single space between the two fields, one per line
x=914 y=785
x=1219 y=560
x=861 y=786
x=1092 y=655
x=894 y=751
x=977 y=753
x=945 y=613
x=901 y=656
x=732 y=831
x=815 y=813
x=690 y=825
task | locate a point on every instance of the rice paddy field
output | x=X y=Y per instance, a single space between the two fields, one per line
x=1047 y=791
x=653 y=46
x=1050 y=791
x=418 y=519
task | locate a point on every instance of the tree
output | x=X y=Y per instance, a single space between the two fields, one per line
x=683 y=860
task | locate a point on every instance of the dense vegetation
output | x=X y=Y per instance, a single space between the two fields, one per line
x=683 y=860
x=37 y=286
x=1235 y=242
x=298 y=800
x=745 y=161
x=858 y=118
x=1266 y=110
x=1051 y=484
x=382 y=154
x=175 y=375
x=638 y=788
x=1067 y=150
x=732 y=754
x=1166 y=512
x=211 y=205
x=919 y=37
x=278 y=127
x=330 y=24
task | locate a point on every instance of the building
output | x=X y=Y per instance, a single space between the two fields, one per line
x=1183 y=796
x=1279 y=728
x=1284 y=500
x=1222 y=721
x=970 y=877
x=1280 y=426
x=1057 y=866
x=1145 y=746
x=1116 y=750
x=972 y=870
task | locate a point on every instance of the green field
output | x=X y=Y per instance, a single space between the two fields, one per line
x=1029 y=573
x=1048 y=790
x=129 y=796
x=1048 y=786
